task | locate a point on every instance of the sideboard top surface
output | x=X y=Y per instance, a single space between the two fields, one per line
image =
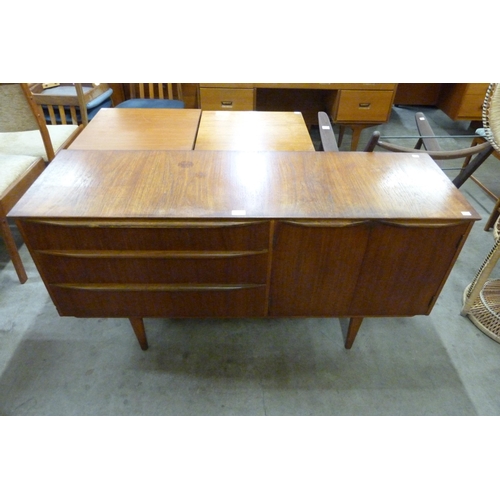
x=236 y=185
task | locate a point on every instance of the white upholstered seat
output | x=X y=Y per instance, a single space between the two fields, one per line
x=17 y=173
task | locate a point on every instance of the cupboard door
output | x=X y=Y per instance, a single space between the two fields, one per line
x=405 y=267
x=361 y=268
x=316 y=267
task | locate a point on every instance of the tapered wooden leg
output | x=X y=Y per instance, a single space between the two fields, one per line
x=140 y=332
x=12 y=249
x=352 y=331
x=356 y=134
x=341 y=135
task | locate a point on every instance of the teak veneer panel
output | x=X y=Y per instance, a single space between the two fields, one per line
x=135 y=129
x=221 y=184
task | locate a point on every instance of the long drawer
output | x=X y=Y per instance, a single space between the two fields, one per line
x=146 y=235
x=154 y=266
x=209 y=301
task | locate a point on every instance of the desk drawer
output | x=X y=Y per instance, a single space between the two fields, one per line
x=215 y=99
x=363 y=106
x=471 y=108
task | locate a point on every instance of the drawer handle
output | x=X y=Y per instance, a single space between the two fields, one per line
x=365 y=105
x=423 y=225
x=227 y=104
x=155 y=287
x=151 y=254
x=333 y=224
x=130 y=224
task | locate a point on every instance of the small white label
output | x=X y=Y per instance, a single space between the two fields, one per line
x=325 y=127
x=416 y=156
x=238 y=212
x=421 y=118
x=467 y=214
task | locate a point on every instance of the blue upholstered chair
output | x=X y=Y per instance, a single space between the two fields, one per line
x=153 y=95
x=74 y=103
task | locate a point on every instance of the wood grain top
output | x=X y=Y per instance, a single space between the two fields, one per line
x=253 y=131
x=137 y=129
x=218 y=184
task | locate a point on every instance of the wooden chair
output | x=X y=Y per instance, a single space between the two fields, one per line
x=17 y=173
x=71 y=103
x=153 y=95
x=23 y=130
x=328 y=141
x=428 y=140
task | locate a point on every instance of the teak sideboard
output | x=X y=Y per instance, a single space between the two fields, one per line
x=243 y=234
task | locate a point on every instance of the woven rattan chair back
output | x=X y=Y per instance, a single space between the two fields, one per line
x=481 y=298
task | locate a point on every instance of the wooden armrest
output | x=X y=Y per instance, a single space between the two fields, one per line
x=327 y=136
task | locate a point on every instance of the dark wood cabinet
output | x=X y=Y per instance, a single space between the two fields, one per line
x=235 y=234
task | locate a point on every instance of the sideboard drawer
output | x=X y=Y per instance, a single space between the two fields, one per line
x=363 y=106
x=142 y=235
x=214 y=99
x=154 y=266
x=115 y=301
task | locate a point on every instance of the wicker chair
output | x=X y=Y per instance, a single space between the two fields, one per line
x=481 y=299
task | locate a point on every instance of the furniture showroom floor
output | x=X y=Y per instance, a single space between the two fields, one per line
x=430 y=365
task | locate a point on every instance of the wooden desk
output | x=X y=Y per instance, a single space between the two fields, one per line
x=136 y=129
x=243 y=234
x=353 y=105
x=253 y=131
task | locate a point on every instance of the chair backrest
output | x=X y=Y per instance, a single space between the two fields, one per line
x=20 y=113
x=16 y=114
x=155 y=91
x=67 y=103
x=328 y=141
x=491 y=115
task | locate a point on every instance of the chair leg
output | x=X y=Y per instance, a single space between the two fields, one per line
x=493 y=216
x=12 y=249
x=475 y=142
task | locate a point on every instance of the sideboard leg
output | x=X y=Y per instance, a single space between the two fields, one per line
x=140 y=332
x=352 y=331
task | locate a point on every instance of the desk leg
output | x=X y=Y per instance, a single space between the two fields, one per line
x=356 y=134
x=356 y=128
x=352 y=330
x=140 y=332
